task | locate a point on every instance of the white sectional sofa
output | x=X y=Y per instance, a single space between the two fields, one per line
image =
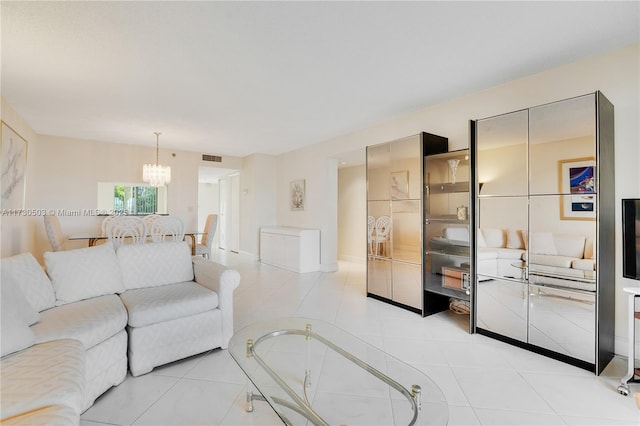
x=69 y=336
x=501 y=251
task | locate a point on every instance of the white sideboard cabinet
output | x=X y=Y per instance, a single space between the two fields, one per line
x=295 y=249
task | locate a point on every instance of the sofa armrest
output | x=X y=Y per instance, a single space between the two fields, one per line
x=223 y=281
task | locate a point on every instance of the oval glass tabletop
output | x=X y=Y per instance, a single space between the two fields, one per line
x=310 y=371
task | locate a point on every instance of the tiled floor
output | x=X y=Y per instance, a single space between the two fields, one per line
x=485 y=381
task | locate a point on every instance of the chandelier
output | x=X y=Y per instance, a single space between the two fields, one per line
x=156 y=174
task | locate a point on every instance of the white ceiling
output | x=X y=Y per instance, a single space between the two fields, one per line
x=234 y=78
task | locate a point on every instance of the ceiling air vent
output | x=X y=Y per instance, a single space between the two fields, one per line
x=214 y=158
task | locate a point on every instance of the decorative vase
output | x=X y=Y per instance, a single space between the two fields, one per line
x=453 y=165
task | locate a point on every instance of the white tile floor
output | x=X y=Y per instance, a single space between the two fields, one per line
x=485 y=381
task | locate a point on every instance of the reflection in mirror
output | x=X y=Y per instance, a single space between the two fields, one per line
x=380 y=237
x=407 y=245
x=378 y=187
x=379 y=277
x=407 y=284
x=563 y=321
x=131 y=198
x=501 y=307
x=502 y=154
x=501 y=238
x=561 y=133
x=561 y=252
x=405 y=174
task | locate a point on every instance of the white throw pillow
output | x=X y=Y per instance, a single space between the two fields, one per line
x=493 y=237
x=155 y=264
x=480 y=239
x=11 y=298
x=515 y=239
x=542 y=243
x=34 y=282
x=84 y=273
x=16 y=335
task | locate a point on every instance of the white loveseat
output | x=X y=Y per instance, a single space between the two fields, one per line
x=68 y=336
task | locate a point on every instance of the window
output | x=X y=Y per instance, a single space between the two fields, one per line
x=131 y=198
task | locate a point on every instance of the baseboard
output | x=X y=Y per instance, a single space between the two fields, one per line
x=354 y=259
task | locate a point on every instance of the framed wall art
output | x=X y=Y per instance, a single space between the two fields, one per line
x=400 y=185
x=577 y=184
x=297 y=194
x=13 y=161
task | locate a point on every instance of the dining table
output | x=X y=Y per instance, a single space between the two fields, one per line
x=94 y=237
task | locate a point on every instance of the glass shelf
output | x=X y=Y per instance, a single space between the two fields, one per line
x=447 y=188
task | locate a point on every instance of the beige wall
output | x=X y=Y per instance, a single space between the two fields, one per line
x=352 y=226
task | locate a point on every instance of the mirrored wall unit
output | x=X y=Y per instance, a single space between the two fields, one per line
x=395 y=218
x=543 y=229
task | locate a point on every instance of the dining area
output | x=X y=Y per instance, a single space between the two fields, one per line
x=134 y=229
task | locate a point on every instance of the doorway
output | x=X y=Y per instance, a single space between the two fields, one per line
x=218 y=193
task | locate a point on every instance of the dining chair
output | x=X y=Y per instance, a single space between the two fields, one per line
x=105 y=222
x=126 y=228
x=383 y=226
x=54 y=232
x=150 y=218
x=371 y=225
x=166 y=228
x=203 y=248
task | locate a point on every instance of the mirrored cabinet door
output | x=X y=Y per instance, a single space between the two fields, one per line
x=562 y=147
x=378 y=159
x=502 y=156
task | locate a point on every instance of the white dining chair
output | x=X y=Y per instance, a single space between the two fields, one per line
x=371 y=225
x=383 y=226
x=105 y=222
x=166 y=228
x=150 y=218
x=54 y=232
x=203 y=248
x=122 y=229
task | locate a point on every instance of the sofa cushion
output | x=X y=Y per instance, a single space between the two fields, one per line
x=43 y=375
x=487 y=253
x=153 y=305
x=34 y=282
x=543 y=243
x=569 y=245
x=90 y=321
x=550 y=260
x=155 y=264
x=84 y=273
x=509 y=254
x=493 y=237
x=584 y=264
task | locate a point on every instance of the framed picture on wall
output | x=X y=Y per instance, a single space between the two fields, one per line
x=14 y=168
x=577 y=183
x=297 y=194
x=400 y=185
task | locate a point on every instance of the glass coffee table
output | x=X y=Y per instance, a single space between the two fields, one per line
x=312 y=372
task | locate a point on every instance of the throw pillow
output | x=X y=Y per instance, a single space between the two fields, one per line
x=12 y=300
x=155 y=264
x=493 y=237
x=34 y=282
x=515 y=239
x=84 y=273
x=542 y=243
x=16 y=335
x=480 y=239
